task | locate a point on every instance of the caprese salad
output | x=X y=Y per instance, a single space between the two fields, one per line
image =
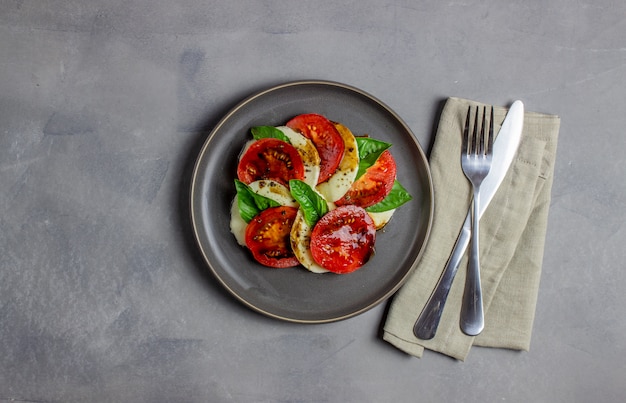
x=312 y=193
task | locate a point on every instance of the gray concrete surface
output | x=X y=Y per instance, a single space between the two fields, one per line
x=103 y=105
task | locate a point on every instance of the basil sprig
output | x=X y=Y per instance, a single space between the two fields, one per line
x=312 y=204
x=397 y=197
x=264 y=132
x=250 y=204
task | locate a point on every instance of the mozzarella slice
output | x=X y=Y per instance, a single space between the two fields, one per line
x=237 y=224
x=307 y=151
x=245 y=148
x=275 y=191
x=339 y=183
x=381 y=219
x=300 y=244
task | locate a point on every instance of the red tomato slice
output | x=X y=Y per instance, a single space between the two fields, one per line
x=270 y=158
x=374 y=185
x=343 y=240
x=326 y=139
x=267 y=237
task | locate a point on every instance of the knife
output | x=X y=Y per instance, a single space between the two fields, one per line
x=504 y=149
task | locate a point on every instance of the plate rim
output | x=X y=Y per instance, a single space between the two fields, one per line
x=194 y=184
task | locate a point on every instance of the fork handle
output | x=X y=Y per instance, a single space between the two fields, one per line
x=472 y=315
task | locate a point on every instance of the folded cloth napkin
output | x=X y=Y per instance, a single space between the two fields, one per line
x=512 y=237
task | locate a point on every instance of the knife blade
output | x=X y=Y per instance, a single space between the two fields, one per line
x=504 y=149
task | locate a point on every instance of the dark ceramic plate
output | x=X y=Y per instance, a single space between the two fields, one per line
x=296 y=294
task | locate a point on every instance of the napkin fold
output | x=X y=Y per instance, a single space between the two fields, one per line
x=512 y=237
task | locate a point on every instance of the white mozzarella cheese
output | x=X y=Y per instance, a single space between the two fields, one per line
x=245 y=148
x=307 y=151
x=273 y=190
x=381 y=219
x=339 y=183
x=237 y=224
x=300 y=244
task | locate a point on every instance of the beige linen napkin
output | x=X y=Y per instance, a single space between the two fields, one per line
x=512 y=236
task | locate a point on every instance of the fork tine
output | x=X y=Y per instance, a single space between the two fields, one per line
x=481 y=150
x=490 y=140
x=465 y=142
x=475 y=143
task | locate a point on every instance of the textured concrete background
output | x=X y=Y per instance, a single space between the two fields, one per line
x=103 y=106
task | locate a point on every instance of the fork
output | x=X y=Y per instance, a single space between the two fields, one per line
x=476 y=159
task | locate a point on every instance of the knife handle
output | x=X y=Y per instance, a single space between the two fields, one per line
x=428 y=321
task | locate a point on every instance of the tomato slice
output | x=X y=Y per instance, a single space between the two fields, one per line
x=343 y=240
x=326 y=139
x=374 y=185
x=267 y=237
x=270 y=158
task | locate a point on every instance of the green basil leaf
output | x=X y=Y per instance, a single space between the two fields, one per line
x=250 y=204
x=312 y=204
x=369 y=151
x=264 y=132
x=397 y=197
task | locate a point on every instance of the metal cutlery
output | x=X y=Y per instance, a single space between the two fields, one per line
x=476 y=157
x=505 y=147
